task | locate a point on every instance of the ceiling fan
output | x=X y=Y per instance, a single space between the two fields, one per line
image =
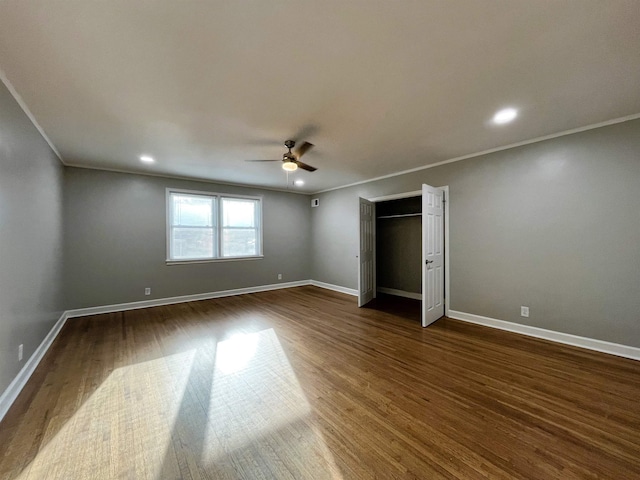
x=291 y=160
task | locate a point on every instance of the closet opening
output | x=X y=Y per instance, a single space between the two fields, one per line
x=404 y=254
x=398 y=257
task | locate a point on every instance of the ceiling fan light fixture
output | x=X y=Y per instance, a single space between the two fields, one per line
x=289 y=166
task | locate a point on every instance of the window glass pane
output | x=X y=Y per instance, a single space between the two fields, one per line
x=238 y=212
x=195 y=231
x=189 y=243
x=238 y=242
x=192 y=210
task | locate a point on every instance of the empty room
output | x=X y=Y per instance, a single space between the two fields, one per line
x=319 y=240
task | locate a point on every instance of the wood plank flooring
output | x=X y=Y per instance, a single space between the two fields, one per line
x=301 y=384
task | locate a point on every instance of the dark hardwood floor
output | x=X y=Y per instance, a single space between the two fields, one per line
x=302 y=384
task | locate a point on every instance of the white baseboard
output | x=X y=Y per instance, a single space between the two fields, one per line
x=559 y=337
x=15 y=387
x=121 y=307
x=335 y=288
x=400 y=293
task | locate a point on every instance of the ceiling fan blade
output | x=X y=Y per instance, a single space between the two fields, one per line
x=302 y=149
x=304 y=166
x=263 y=160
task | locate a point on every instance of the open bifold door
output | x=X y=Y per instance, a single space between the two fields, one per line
x=432 y=254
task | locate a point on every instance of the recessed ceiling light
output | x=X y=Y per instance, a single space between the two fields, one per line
x=299 y=182
x=146 y=159
x=505 y=115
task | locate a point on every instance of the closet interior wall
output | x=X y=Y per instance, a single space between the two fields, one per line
x=398 y=246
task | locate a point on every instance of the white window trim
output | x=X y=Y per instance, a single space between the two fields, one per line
x=220 y=196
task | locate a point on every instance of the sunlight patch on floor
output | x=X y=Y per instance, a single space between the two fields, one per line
x=256 y=402
x=134 y=408
x=235 y=353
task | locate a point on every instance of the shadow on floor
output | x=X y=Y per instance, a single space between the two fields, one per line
x=406 y=308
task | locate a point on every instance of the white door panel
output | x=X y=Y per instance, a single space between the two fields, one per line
x=432 y=254
x=366 y=270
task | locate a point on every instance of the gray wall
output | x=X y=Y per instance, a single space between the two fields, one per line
x=115 y=244
x=553 y=225
x=30 y=237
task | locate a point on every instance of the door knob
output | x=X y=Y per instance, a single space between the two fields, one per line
x=427 y=262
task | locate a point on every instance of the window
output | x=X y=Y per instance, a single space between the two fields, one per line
x=209 y=226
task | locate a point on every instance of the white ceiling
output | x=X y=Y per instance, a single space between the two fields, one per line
x=378 y=86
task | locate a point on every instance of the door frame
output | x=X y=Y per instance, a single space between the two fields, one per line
x=447 y=263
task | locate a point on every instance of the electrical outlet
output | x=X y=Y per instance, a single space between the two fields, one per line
x=279 y=276
x=20 y=350
x=147 y=291
x=524 y=311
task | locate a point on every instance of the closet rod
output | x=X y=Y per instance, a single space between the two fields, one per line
x=399 y=216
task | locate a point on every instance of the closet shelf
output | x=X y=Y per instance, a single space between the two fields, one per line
x=400 y=216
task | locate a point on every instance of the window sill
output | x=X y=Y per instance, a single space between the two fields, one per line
x=213 y=260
